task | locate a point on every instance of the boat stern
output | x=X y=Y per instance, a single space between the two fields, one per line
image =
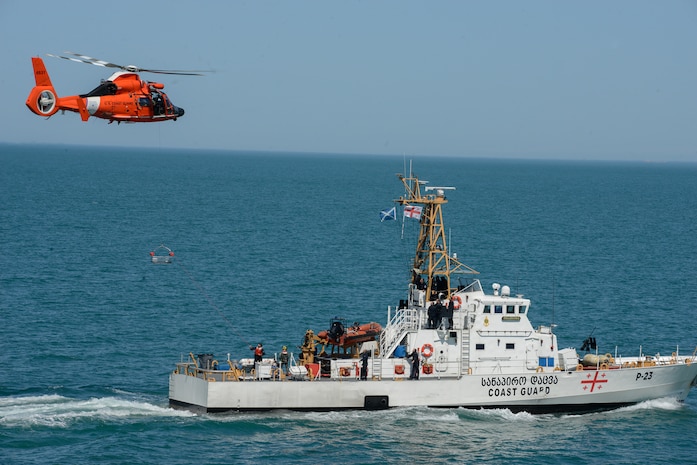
x=188 y=392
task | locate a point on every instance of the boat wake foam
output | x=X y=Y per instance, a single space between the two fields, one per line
x=665 y=403
x=423 y=414
x=57 y=411
x=502 y=414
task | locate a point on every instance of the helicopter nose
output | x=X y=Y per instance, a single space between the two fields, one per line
x=179 y=111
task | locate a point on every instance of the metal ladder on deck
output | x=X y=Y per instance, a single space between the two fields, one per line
x=376 y=367
x=465 y=351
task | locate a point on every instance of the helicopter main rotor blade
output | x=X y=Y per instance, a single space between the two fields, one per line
x=175 y=71
x=88 y=60
x=130 y=68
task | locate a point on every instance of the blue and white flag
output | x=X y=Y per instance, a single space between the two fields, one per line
x=390 y=214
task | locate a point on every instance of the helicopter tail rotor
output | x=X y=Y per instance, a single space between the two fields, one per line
x=46 y=101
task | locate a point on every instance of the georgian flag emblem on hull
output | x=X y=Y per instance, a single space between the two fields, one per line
x=593 y=380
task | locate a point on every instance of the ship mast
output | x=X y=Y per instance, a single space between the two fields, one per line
x=432 y=265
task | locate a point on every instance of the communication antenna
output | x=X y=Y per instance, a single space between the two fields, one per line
x=554 y=286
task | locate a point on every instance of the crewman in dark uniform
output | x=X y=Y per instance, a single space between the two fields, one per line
x=448 y=313
x=414 y=356
x=435 y=313
x=364 y=365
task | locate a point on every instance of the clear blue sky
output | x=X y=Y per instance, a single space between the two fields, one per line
x=533 y=79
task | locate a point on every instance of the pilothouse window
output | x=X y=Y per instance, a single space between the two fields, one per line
x=510 y=308
x=498 y=309
x=522 y=309
x=487 y=309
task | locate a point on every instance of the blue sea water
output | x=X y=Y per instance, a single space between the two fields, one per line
x=269 y=245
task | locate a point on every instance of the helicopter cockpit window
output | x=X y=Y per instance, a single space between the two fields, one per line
x=105 y=88
x=168 y=104
x=144 y=102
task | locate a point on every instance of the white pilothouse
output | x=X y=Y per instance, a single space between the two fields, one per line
x=449 y=344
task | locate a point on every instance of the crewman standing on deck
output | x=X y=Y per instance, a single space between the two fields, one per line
x=435 y=313
x=283 y=359
x=448 y=314
x=414 y=364
x=364 y=365
x=258 y=352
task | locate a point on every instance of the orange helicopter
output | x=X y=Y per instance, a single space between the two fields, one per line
x=123 y=97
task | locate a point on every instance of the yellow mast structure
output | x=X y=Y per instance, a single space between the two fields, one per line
x=432 y=262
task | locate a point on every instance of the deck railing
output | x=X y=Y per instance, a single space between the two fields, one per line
x=403 y=320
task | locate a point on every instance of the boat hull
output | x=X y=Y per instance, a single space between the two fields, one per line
x=545 y=392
